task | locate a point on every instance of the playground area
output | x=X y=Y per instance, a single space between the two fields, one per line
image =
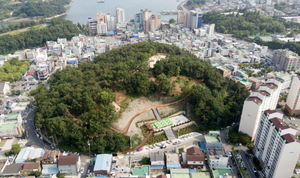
x=140 y=104
x=172 y=121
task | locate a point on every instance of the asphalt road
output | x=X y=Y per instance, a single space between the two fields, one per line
x=191 y=141
x=32 y=138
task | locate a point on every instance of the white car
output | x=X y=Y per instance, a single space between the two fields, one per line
x=81 y=170
x=297 y=171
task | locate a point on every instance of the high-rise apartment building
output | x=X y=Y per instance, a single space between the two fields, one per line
x=286 y=60
x=211 y=30
x=101 y=18
x=157 y=21
x=276 y=145
x=149 y=25
x=265 y=98
x=140 y=18
x=111 y=23
x=120 y=14
x=182 y=19
x=293 y=99
x=101 y=28
x=195 y=19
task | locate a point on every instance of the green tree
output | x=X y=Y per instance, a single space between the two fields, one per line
x=60 y=175
x=15 y=148
x=35 y=173
x=171 y=21
x=145 y=161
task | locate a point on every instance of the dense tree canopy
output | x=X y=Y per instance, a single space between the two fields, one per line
x=250 y=23
x=192 y=4
x=78 y=106
x=13 y=70
x=38 y=37
x=32 y=8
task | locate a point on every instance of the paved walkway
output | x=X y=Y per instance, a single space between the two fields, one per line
x=156 y=113
x=169 y=133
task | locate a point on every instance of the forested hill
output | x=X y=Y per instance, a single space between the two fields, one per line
x=32 y=8
x=78 y=107
x=250 y=23
x=37 y=37
x=255 y=23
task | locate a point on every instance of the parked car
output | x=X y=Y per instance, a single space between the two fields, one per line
x=254 y=169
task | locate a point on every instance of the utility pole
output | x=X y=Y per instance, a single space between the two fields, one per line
x=88 y=142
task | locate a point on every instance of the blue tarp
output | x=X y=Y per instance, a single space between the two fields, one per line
x=202 y=145
x=157 y=166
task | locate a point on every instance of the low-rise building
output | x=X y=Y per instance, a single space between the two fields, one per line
x=172 y=161
x=4 y=88
x=103 y=164
x=29 y=167
x=157 y=160
x=69 y=164
x=11 y=130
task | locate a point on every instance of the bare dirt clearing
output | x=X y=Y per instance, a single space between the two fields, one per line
x=140 y=104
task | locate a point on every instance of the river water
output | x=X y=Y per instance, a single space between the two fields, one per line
x=80 y=10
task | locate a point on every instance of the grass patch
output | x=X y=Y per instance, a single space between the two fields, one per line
x=156 y=138
x=15 y=32
x=186 y=130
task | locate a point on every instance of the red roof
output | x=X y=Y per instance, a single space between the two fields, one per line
x=289 y=138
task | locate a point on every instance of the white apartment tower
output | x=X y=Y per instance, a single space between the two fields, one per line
x=265 y=98
x=276 y=145
x=120 y=13
x=293 y=100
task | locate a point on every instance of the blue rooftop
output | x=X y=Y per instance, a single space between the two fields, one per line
x=46 y=171
x=103 y=162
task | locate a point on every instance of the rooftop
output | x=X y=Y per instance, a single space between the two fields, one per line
x=210 y=139
x=220 y=172
x=103 y=162
x=289 y=138
x=8 y=126
x=70 y=159
x=200 y=175
x=254 y=99
x=11 y=116
x=279 y=124
x=142 y=170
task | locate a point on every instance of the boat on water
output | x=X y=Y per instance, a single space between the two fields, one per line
x=100 y=1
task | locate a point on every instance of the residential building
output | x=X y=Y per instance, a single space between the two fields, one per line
x=111 y=23
x=11 y=130
x=141 y=171
x=157 y=160
x=12 y=169
x=286 y=60
x=49 y=162
x=194 y=158
x=172 y=161
x=101 y=18
x=293 y=99
x=29 y=153
x=103 y=164
x=92 y=26
x=149 y=25
x=276 y=145
x=10 y=118
x=265 y=98
x=101 y=28
x=182 y=19
x=4 y=88
x=195 y=19
x=29 y=167
x=120 y=14
x=69 y=164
